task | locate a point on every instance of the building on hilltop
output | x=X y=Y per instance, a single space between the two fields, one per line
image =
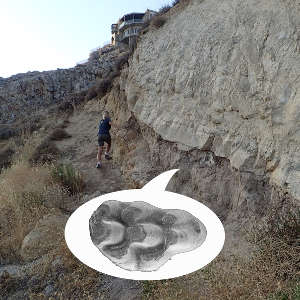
x=128 y=27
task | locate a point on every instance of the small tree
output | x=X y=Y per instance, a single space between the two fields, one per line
x=164 y=9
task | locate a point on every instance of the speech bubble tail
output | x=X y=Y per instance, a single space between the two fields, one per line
x=160 y=182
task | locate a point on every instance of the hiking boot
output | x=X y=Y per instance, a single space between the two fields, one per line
x=107 y=156
x=98 y=166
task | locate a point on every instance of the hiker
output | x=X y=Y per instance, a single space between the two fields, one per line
x=104 y=136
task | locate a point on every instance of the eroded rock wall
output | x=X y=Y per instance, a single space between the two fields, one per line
x=234 y=195
x=223 y=77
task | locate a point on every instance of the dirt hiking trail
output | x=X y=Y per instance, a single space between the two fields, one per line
x=81 y=150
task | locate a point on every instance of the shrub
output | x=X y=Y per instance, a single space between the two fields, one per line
x=158 y=21
x=94 y=55
x=91 y=93
x=121 y=61
x=59 y=134
x=164 y=9
x=22 y=189
x=68 y=177
x=45 y=152
x=145 y=27
x=71 y=101
x=175 y=2
x=6 y=154
x=80 y=97
x=103 y=86
x=6 y=132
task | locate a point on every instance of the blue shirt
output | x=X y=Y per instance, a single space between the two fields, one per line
x=104 y=126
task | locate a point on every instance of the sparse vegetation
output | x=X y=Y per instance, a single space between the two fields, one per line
x=158 y=21
x=45 y=152
x=29 y=191
x=102 y=86
x=68 y=177
x=121 y=61
x=6 y=132
x=22 y=189
x=94 y=55
x=59 y=134
x=71 y=101
x=164 y=9
x=6 y=154
x=272 y=272
x=91 y=93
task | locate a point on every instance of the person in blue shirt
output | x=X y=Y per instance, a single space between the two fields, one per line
x=104 y=137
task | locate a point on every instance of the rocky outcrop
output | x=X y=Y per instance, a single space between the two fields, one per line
x=224 y=78
x=23 y=94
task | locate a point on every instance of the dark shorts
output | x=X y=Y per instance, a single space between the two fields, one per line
x=104 y=138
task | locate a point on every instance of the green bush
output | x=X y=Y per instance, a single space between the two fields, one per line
x=68 y=177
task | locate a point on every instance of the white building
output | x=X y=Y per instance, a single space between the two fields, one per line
x=128 y=27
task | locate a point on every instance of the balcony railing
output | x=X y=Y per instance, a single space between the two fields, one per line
x=126 y=34
x=133 y=21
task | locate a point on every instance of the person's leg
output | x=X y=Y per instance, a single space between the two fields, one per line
x=108 y=148
x=106 y=154
x=100 y=151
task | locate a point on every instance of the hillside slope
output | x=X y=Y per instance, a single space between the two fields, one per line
x=214 y=92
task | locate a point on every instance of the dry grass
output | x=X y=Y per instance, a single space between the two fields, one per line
x=22 y=189
x=6 y=154
x=68 y=177
x=70 y=102
x=45 y=152
x=272 y=272
x=79 y=281
x=102 y=86
x=91 y=93
x=27 y=192
x=121 y=61
x=59 y=134
x=164 y=9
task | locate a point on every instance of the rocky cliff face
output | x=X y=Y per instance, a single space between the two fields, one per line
x=214 y=92
x=22 y=94
x=221 y=79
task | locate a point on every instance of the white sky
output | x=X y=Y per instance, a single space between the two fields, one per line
x=39 y=35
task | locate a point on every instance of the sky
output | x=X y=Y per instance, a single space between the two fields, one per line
x=40 y=35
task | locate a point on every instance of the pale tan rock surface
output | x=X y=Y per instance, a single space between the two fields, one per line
x=224 y=76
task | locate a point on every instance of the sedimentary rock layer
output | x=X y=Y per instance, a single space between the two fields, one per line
x=223 y=76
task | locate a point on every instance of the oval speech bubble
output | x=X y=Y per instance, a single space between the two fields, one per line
x=78 y=239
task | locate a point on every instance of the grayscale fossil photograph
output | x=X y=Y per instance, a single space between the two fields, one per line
x=137 y=236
